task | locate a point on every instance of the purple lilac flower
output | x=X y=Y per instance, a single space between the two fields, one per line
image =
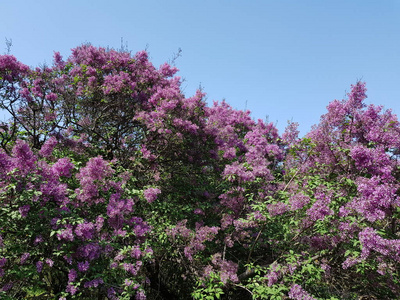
x=375 y=198
x=349 y=262
x=9 y=62
x=238 y=171
x=371 y=240
x=7 y=286
x=149 y=251
x=71 y=289
x=198 y=211
x=38 y=240
x=298 y=201
x=63 y=167
x=128 y=282
x=291 y=134
x=131 y=268
x=326 y=268
x=99 y=223
x=146 y=153
x=136 y=253
x=51 y=97
x=116 y=209
x=151 y=194
x=320 y=208
x=89 y=251
x=85 y=230
x=297 y=293
x=91 y=177
x=52 y=189
x=119 y=257
x=68 y=259
x=23 y=210
x=72 y=275
x=39 y=266
x=274 y=274
x=66 y=234
x=259 y=216
x=278 y=208
x=273 y=277
x=83 y=266
x=48 y=146
x=3 y=262
x=203 y=234
x=140 y=295
x=233 y=199
x=49 y=262
x=24 y=159
x=141 y=227
x=111 y=293
x=93 y=283
x=228 y=269
x=25 y=93
x=24 y=257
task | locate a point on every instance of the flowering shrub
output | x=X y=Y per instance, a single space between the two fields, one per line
x=113 y=185
x=62 y=233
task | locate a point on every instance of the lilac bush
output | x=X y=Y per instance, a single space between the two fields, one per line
x=64 y=240
x=114 y=185
x=342 y=183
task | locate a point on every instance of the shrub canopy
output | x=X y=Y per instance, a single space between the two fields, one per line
x=114 y=185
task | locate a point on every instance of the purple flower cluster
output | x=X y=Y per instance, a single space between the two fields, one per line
x=320 y=208
x=92 y=178
x=375 y=198
x=298 y=201
x=85 y=230
x=90 y=251
x=274 y=274
x=48 y=147
x=151 y=194
x=93 y=283
x=23 y=158
x=72 y=275
x=24 y=257
x=11 y=68
x=372 y=241
x=227 y=269
x=39 y=266
x=62 y=167
x=277 y=208
x=202 y=234
x=132 y=268
x=3 y=262
x=66 y=233
x=23 y=210
x=298 y=293
x=83 y=266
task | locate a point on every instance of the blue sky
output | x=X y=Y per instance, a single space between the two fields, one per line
x=282 y=59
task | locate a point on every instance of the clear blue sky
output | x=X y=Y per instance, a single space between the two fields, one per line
x=282 y=59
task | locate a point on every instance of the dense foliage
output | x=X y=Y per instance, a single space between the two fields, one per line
x=113 y=185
